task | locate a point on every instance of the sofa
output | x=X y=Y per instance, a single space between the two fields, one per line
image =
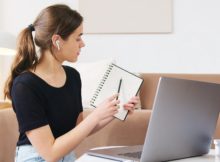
x=129 y=132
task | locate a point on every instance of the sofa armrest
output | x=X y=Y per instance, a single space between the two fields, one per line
x=8 y=135
x=129 y=132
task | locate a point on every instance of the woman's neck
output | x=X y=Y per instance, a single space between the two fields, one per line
x=50 y=70
x=49 y=64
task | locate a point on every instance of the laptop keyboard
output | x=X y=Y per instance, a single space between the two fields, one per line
x=132 y=154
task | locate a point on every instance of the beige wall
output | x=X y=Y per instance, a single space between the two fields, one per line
x=127 y=16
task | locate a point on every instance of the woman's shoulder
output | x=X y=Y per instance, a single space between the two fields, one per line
x=70 y=70
x=72 y=74
x=26 y=78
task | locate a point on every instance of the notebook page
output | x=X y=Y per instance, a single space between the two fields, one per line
x=129 y=87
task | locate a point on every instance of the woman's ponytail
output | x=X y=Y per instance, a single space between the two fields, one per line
x=24 y=60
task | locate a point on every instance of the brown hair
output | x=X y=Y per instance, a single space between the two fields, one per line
x=56 y=19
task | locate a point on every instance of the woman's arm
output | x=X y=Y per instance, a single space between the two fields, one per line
x=101 y=125
x=130 y=105
x=52 y=149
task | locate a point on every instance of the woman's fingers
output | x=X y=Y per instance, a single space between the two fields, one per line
x=134 y=100
x=112 y=104
x=113 y=97
x=129 y=105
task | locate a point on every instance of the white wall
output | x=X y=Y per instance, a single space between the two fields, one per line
x=19 y=14
x=193 y=47
x=16 y=15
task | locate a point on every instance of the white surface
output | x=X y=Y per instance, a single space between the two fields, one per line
x=217 y=146
x=193 y=47
x=206 y=158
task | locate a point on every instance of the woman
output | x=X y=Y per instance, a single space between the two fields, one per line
x=46 y=96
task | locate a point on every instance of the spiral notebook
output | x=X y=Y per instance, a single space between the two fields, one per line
x=117 y=80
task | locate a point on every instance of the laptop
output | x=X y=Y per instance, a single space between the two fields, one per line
x=182 y=123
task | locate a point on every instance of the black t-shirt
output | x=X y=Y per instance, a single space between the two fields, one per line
x=37 y=104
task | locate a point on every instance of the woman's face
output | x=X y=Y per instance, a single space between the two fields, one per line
x=70 y=48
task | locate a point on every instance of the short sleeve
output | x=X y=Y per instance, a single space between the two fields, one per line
x=28 y=106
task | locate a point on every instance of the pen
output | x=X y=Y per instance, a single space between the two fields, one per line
x=119 y=87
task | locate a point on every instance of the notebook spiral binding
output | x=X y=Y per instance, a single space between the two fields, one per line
x=101 y=83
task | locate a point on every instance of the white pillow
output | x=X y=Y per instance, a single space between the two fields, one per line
x=91 y=74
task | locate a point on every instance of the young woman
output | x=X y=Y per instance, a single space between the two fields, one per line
x=46 y=96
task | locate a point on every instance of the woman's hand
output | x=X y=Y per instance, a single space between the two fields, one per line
x=130 y=105
x=107 y=108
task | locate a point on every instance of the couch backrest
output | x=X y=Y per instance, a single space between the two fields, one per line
x=8 y=135
x=149 y=86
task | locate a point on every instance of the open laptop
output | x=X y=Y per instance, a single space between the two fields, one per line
x=182 y=123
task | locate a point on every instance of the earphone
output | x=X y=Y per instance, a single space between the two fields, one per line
x=58 y=44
